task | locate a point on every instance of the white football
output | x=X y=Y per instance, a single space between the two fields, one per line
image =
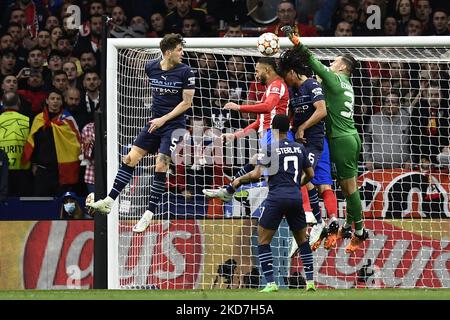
x=268 y=44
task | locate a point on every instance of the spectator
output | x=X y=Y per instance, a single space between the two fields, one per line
x=16 y=31
x=70 y=208
x=70 y=68
x=17 y=15
x=97 y=8
x=118 y=16
x=118 y=23
x=88 y=61
x=191 y=27
x=237 y=78
x=53 y=146
x=7 y=42
x=54 y=61
x=51 y=22
x=139 y=27
x=414 y=28
x=64 y=46
x=87 y=149
x=429 y=127
x=43 y=42
x=79 y=113
x=15 y=129
x=55 y=33
x=92 y=41
x=286 y=15
x=207 y=75
x=403 y=13
x=60 y=81
x=7 y=63
x=34 y=92
x=223 y=119
x=174 y=20
x=90 y=98
x=10 y=84
x=440 y=23
x=35 y=14
x=389 y=27
x=234 y=29
x=423 y=14
x=158 y=27
x=343 y=29
x=349 y=14
x=386 y=140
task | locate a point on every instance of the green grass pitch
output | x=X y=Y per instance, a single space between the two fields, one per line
x=223 y=294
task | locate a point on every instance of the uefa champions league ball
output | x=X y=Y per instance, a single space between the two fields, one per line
x=268 y=44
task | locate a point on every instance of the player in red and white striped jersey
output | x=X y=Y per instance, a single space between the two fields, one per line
x=274 y=101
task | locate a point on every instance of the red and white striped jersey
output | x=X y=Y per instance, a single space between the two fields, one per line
x=274 y=101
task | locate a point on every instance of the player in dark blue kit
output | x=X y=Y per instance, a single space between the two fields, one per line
x=172 y=83
x=307 y=110
x=285 y=161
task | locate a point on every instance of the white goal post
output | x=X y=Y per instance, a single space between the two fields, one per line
x=406 y=204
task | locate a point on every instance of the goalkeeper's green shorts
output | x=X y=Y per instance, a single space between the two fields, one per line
x=344 y=156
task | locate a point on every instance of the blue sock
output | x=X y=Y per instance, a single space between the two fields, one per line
x=244 y=170
x=123 y=177
x=156 y=190
x=307 y=260
x=314 y=202
x=266 y=261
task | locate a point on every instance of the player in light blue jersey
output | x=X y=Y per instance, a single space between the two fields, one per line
x=173 y=86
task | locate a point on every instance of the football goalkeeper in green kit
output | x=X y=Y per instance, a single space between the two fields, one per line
x=344 y=141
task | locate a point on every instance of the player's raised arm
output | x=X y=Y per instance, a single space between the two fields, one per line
x=318 y=67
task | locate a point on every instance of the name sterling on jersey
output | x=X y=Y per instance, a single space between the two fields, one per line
x=288 y=150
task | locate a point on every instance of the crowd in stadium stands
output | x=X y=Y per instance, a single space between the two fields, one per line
x=50 y=79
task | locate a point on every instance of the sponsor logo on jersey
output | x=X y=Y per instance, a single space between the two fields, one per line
x=317 y=92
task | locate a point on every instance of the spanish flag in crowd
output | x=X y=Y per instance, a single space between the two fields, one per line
x=67 y=143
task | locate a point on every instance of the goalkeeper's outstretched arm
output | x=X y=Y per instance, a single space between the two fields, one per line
x=319 y=69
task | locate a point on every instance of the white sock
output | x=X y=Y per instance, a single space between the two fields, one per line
x=148 y=214
x=359 y=232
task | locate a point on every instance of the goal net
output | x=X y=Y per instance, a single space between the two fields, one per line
x=402 y=115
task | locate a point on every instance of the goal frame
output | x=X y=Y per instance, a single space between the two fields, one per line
x=113 y=45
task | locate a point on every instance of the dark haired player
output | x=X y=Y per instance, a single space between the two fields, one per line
x=307 y=109
x=274 y=101
x=172 y=83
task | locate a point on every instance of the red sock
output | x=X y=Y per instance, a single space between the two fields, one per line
x=330 y=202
x=305 y=197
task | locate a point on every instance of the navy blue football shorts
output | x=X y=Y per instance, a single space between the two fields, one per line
x=162 y=139
x=273 y=210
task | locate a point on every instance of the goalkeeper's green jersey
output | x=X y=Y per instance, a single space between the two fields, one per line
x=339 y=97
